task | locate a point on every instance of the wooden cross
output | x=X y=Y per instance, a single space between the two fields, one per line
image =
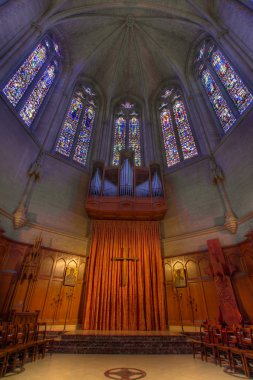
x=124 y=260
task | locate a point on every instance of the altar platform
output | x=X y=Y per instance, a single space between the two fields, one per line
x=122 y=342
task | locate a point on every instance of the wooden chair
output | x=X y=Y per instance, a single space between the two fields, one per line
x=21 y=333
x=41 y=331
x=217 y=334
x=245 y=338
x=3 y=333
x=16 y=358
x=229 y=339
x=248 y=360
x=11 y=335
x=210 y=351
x=31 y=332
x=197 y=348
x=238 y=360
x=3 y=363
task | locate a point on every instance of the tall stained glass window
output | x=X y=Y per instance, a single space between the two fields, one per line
x=228 y=94
x=127 y=132
x=75 y=135
x=178 y=139
x=27 y=88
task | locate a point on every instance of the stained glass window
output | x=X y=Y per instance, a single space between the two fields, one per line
x=134 y=139
x=29 y=85
x=33 y=103
x=178 y=139
x=67 y=135
x=237 y=90
x=119 y=138
x=217 y=100
x=84 y=138
x=227 y=93
x=187 y=142
x=75 y=136
x=170 y=143
x=18 y=84
x=127 y=132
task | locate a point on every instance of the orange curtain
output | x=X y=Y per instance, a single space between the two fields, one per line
x=140 y=304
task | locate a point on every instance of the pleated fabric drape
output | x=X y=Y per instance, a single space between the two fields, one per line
x=140 y=304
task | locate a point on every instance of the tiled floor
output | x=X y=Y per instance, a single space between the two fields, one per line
x=92 y=367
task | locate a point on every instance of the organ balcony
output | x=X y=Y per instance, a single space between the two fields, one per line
x=126 y=192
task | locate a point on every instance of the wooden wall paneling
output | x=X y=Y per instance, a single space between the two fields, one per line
x=38 y=298
x=195 y=293
x=197 y=302
x=7 y=282
x=53 y=302
x=11 y=265
x=44 y=280
x=81 y=279
x=244 y=294
x=20 y=296
x=73 y=317
x=67 y=292
x=210 y=295
x=172 y=306
x=183 y=296
x=247 y=254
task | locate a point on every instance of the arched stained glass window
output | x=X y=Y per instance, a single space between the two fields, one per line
x=178 y=139
x=127 y=132
x=29 y=85
x=226 y=91
x=75 y=135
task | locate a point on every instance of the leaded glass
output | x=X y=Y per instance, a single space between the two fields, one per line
x=67 y=135
x=219 y=104
x=170 y=144
x=237 y=90
x=127 y=105
x=33 y=103
x=18 y=84
x=187 y=142
x=134 y=139
x=83 y=142
x=119 y=138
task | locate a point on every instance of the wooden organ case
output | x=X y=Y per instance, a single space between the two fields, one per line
x=126 y=192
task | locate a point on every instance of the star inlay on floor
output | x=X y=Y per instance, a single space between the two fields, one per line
x=125 y=374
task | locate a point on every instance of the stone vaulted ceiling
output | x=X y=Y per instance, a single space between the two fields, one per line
x=129 y=47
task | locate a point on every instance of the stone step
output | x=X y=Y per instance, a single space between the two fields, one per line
x=83 y=344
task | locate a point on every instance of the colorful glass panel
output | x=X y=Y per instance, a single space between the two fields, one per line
x=18 y=84
x=83 y=143
x=134 y=139
x=33 y=103
x=187 y=142
x=127 y=105
x=170 y=144
x=237 y=90
x=219 y=104
x=67 y=135
x=119 y=138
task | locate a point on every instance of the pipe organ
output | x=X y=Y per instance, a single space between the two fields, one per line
x=126 y=192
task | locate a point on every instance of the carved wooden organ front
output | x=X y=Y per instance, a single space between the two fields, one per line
x=126 y=191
